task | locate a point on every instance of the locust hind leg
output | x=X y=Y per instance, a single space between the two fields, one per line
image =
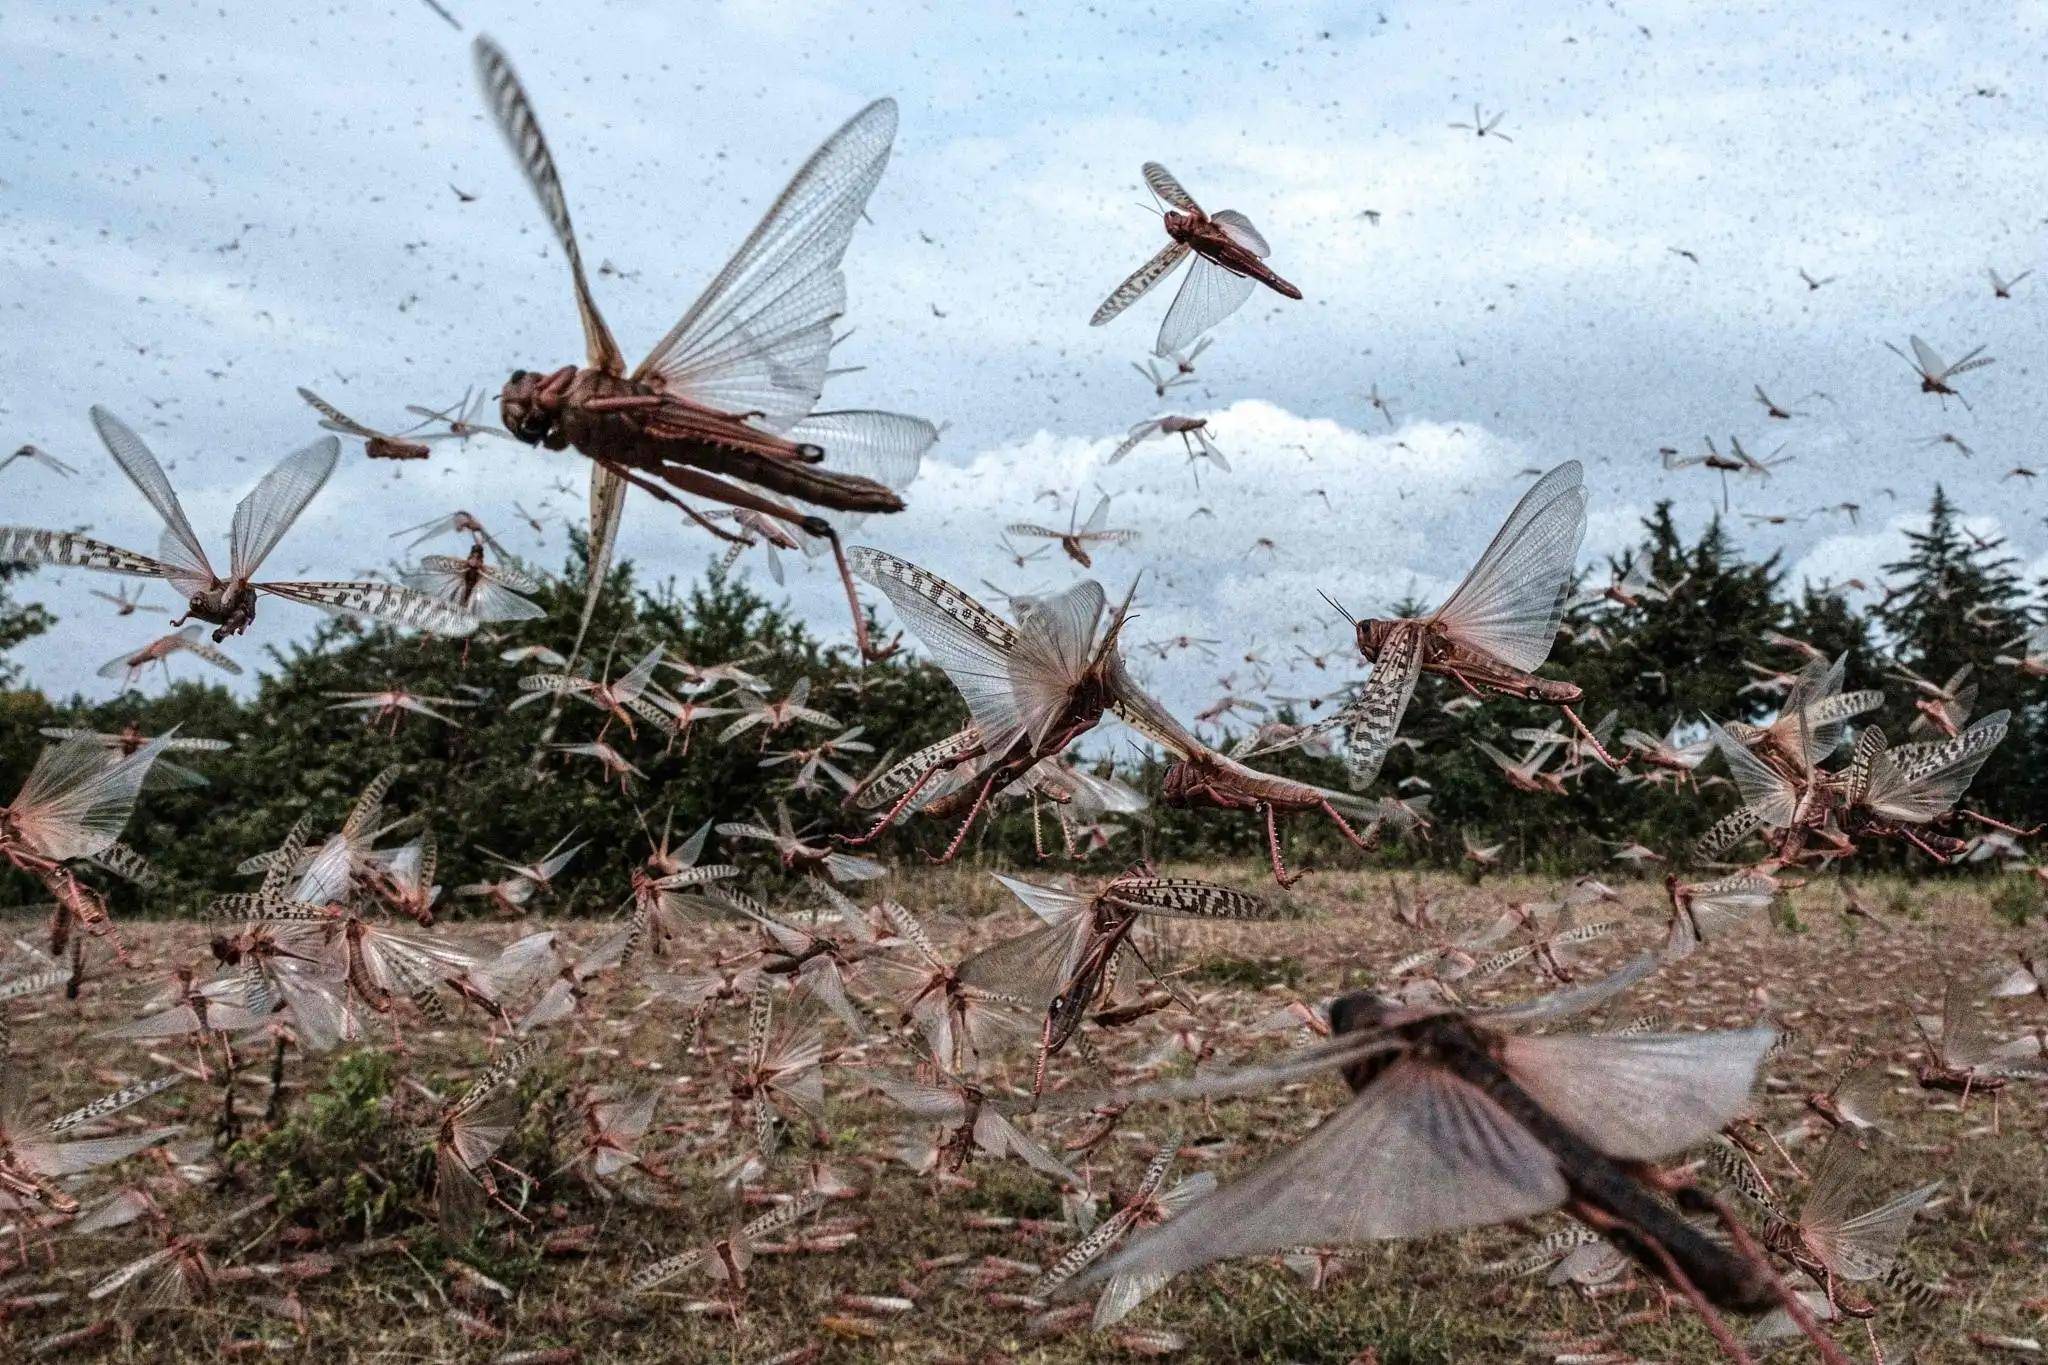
x=973 y=812
x=1607 y=760
x=2015 y=830
x=889 y=816
x=732 y=495
x=1273 y=850
x=1367 y=842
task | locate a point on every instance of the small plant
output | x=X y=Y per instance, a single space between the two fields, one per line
x=2016 y=901
x=339 y=1159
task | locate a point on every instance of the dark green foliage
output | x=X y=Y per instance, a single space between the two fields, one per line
x=339 y=1160
x=488 y=784
x=18 y=623
x=1952 y=600
x=2016 y=900
x=1957 y=600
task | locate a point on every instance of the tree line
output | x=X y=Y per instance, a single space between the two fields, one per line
x=488 y=784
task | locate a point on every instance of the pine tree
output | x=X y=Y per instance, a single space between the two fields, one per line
x=1957 y=599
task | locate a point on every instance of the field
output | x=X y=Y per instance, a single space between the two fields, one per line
x=347 y=1246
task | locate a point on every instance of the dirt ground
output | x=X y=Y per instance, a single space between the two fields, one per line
x=348 y=1265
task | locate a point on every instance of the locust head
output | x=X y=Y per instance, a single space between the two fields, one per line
x=1372 y=636
x=531 y=406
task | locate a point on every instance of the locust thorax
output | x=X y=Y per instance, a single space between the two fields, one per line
x=1364 y=1012
x=1191 y=782
x=230 y=606
x=527 y=412
x=1372 y=636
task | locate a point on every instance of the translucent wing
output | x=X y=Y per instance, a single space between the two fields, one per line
x=1640 y=1098
x=1139 y=282
x=758 y=339
x=488 y=600
x=514 y=578
x=971 y=643
x=262 y=518
x=1162 y=183
x=935 y=1103
x=1861 y=1246
x=1034 y=966
x=1208 y=295
x=75 y=802
x=1240 y=230
x=180 y=547
x=1055 y=642
x=1371 y=722
x=998 y=1136
x=516 y=120
x=1765 y=791
x=1510 y=604
x=1930 y=363
x=29 y=545
x=884 y=446
x=1418 y=1152
x=1921 y=785
x=385 y=601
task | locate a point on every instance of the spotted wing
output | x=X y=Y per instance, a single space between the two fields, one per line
x=1139 y=282
x=1162 y=183
x=1919 y=782
x=1371 y=722
x=517 y=121
x=384 y=601
x=1185 y=897
x=29 y=545
x=607 y=501
x=335 y=418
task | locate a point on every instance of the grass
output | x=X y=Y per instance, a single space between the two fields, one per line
x=347 y=1166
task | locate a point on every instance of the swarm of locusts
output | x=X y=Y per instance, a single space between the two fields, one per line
x=991 y=1046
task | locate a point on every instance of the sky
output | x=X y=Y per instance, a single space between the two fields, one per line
x=204 y=206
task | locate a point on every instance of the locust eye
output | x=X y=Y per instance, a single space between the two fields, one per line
x=518 y=375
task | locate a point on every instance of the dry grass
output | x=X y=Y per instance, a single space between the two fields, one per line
x=1838 y=982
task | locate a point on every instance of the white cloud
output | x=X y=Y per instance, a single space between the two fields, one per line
x=1523 y=289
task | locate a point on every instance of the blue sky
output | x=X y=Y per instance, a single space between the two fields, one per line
x=202 y=206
